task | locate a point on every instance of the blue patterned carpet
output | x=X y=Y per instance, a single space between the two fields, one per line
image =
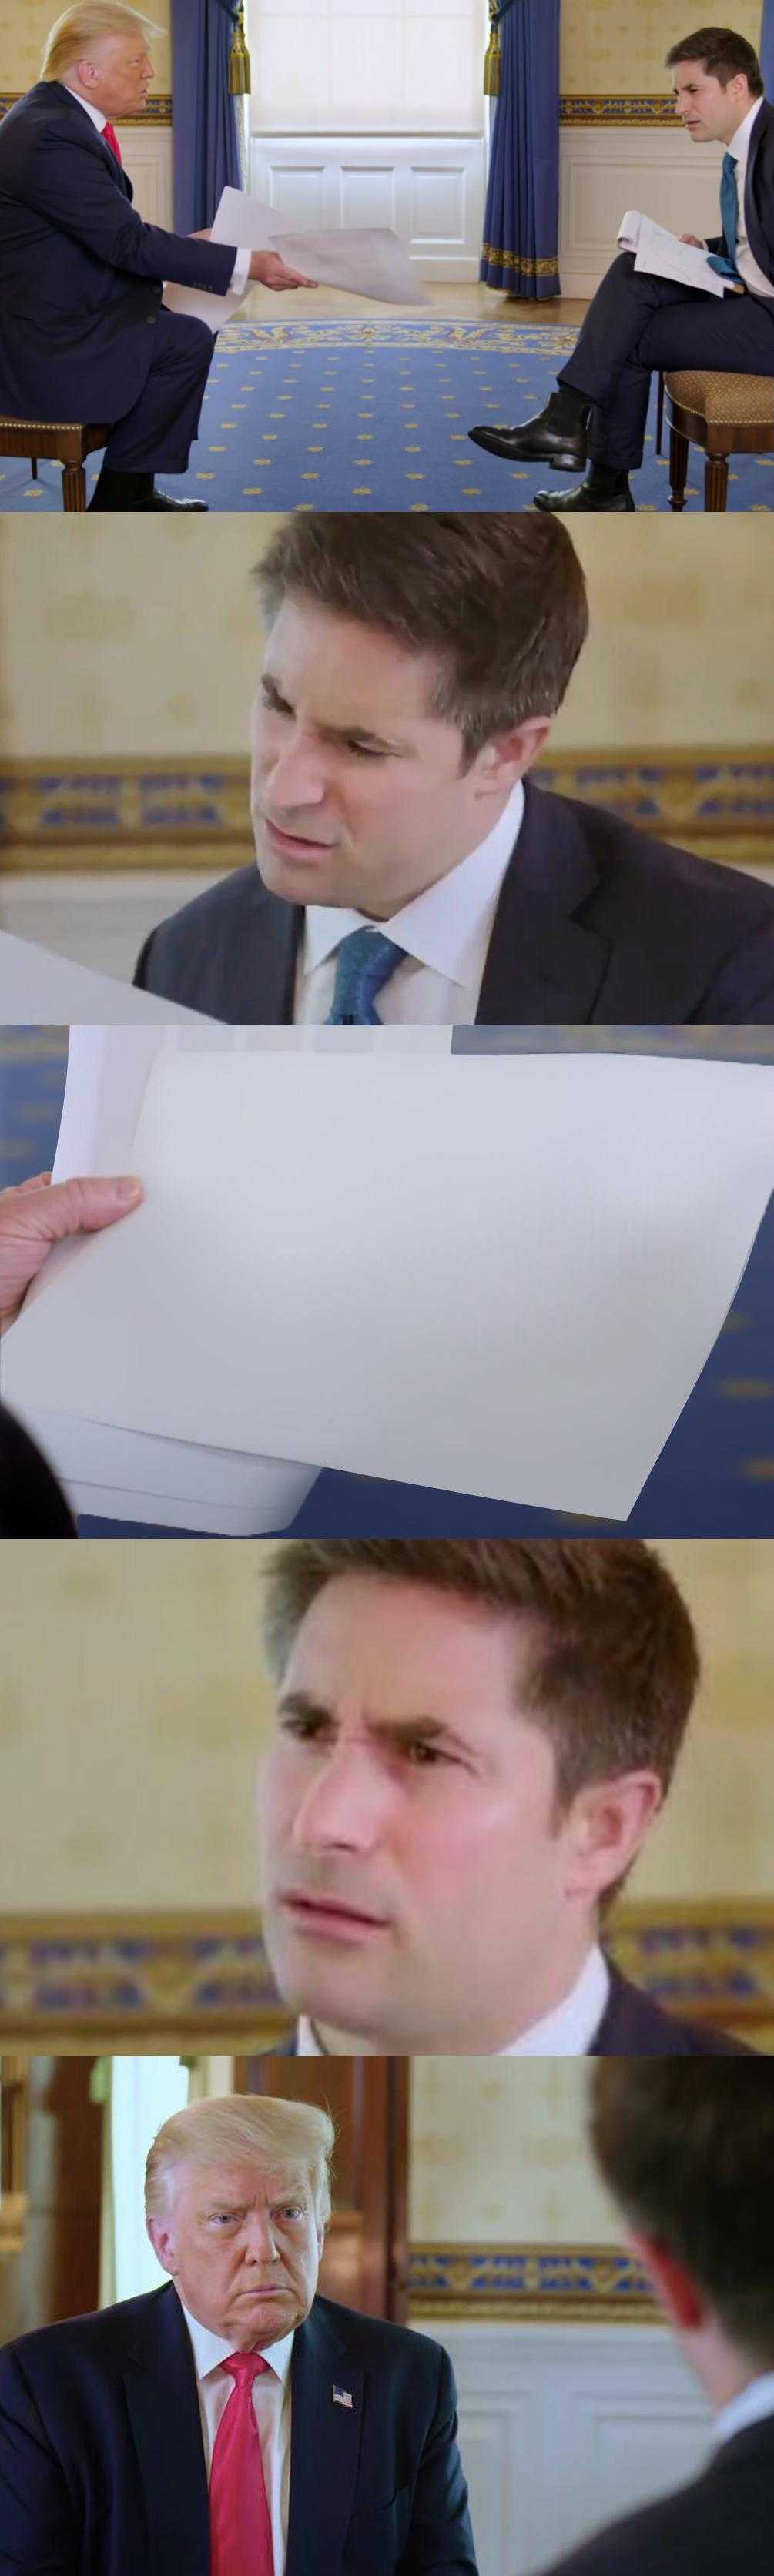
x=374 y=416
x=715 y=1476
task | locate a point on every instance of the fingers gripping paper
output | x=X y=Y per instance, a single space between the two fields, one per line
x=499 y=1276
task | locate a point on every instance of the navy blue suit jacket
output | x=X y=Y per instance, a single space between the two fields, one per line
x=80 y=274
x=102 y=2468
x=759 y=193
x=720 y=2525
x=595 y=922
x=32 y=1504
x=632 y=2025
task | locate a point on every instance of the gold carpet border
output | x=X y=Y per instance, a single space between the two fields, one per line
x=83 y=1978
x=186 y=813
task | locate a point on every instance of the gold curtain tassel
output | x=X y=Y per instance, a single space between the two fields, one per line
x=239 y=79
x=492 y=59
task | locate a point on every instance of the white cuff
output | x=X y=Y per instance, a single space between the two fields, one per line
x=240 y=275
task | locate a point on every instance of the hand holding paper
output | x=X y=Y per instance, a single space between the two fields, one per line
x=35 y=1216
x=370 y=261
x=663 y=254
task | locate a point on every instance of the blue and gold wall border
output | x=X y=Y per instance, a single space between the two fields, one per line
x=649 y=108
x=521 y=2284
x=147 y=1978
x=188 y=813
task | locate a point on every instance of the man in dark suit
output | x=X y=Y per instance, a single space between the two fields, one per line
x=637 y=323
x=128 y=2439
x=408 y=869
x=474 y=1738
x=83 y=332
x=688 y=2152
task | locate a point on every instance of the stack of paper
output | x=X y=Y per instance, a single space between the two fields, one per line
x=370 y=262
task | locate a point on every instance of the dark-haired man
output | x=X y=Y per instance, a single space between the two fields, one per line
x=688 y=2153
x=637 y=323
x=474 y=1738
x=408 y=867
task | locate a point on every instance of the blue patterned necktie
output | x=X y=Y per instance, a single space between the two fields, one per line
x=365 y=960
x=729 y=213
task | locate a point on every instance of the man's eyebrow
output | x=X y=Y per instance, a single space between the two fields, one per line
x=361 y=734
x=400 y=1730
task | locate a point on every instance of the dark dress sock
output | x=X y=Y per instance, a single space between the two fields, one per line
x=116 y=491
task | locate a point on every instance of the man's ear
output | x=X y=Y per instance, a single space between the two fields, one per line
x=606 y=1828
x=162 y=2239
x=509 y=755
x=677 y=2294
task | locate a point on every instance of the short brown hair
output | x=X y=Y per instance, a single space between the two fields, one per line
x=686 y=2146
x=722 y=54
x=499 y=597
x=615 y=1664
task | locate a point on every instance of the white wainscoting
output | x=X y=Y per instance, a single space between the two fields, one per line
x=147 y=157
x=563 y=2428
x=429 y=190
x=98 y=921
x=605 y=170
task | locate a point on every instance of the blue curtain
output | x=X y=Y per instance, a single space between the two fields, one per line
x=521 y=217
x=767 y=48
x=204 y=134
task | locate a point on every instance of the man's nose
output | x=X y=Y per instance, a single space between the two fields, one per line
x=260 y=2246
x=344 y=1806
x=298 y=775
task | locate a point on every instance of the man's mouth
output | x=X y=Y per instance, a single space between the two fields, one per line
x=328 y=1919
x=295 y=845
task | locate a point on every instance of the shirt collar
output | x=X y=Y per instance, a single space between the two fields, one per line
x=752 y=2405
x=567 y=2031
x=95 y=113
x=210 y=2351
x=441 y=928
x=740 y=141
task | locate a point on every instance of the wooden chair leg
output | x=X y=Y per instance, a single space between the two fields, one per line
x=660 y=412
x=716 y=483
x=678 y=468
x=73 y=487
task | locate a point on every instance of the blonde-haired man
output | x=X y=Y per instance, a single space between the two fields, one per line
x=84 y=335
x=232 y=2423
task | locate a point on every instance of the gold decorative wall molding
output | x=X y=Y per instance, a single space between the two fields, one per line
x=157 y=112
x=519 y=2284
x=105 y=815
x=648 y=108
x=76 y=1981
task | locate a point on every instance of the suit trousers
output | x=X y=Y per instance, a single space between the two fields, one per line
x=637 y=323
x=159 y=429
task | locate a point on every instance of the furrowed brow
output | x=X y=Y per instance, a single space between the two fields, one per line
x=397 y=1730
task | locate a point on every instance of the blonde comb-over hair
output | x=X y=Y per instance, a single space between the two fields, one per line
x=77 y=29
x=294 y=2139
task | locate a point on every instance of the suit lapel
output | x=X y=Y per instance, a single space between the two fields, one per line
x=760 y=247
x=325 y=2446
x=69 y=100
x=268 y=962
x=543 y=965
x=163 y=2407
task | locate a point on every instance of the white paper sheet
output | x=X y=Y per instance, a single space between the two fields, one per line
x=368 y=261
x=501 y=1276
x=36 y=986
x=662 y=254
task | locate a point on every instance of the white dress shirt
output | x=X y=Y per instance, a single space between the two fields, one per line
x=740 y=147
x=567 y=2031
x=752 y=2406
x=240 y=274
x=271 y=2402
x=446 y=932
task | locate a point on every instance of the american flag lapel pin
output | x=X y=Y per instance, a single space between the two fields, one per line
x=341 y=2396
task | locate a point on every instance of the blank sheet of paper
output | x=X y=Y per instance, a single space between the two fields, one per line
x=496 y=1275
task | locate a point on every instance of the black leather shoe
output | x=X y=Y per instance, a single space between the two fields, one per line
x=583 y=497
x=546 y=440
x=164 y=501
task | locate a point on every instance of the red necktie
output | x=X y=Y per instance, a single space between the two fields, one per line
x=110 y=136
x=240 y=2524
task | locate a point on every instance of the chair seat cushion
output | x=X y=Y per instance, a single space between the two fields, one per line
x=738 y=402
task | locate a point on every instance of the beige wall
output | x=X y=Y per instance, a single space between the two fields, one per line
x=612 y=47
x=499 y=2155
x=24 y=26
x=133 y=1710
x=119 y=646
